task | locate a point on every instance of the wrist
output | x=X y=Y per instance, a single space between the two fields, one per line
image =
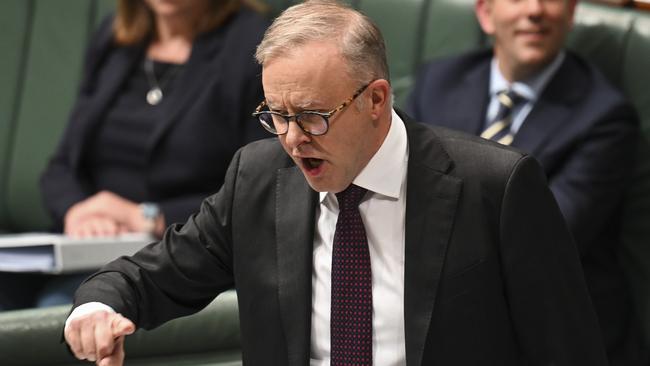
x=151 y=215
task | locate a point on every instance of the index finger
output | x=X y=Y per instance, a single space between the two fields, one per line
x=108 y=333
x=116 y=358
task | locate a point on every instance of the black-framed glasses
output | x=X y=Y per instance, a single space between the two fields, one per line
x=311 y=122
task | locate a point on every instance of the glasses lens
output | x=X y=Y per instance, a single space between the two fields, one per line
x=273 y=123
x=313 y=123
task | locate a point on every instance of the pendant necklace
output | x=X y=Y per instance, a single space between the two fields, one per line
x=155 y=93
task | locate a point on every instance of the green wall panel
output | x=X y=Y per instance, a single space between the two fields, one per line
x=14 y=31
x=58 y=39
x=399 y=22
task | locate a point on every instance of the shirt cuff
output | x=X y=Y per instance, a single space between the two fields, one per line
x=87 y=308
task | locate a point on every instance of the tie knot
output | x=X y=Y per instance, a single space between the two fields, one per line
x=509 y=98
x=350 y=197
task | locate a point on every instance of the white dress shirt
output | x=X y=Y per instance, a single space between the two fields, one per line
x=530 y=89
x=382 y=210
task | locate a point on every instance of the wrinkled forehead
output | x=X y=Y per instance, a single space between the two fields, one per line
x=307 y=75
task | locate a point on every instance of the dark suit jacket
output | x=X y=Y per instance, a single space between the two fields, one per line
x=492 y=276
x=583 y=133
x=197 y=135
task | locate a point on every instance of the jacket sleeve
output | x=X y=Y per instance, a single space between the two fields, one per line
x=549 y=304
x=177 y=276
x=179 y=209
x=589 y=185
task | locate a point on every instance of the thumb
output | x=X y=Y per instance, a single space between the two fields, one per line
x=122 y=326
x=117 y=357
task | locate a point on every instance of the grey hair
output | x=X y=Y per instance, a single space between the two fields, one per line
x=360 y=41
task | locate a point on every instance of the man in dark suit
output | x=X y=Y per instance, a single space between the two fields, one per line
x=456 y=254
x=567 y=116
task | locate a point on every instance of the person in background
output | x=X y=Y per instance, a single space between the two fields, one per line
x=358 y=237
x=163 y=105
x=529 y=92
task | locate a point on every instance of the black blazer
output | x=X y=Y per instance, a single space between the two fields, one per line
x=584 y=134
x=196 y=137
x=492 y=276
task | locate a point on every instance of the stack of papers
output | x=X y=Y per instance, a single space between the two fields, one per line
x=56 y=253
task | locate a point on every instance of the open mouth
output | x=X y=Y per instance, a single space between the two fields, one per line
x=312 y=163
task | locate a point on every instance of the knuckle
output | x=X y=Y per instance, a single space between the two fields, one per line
x=98 y=316
x=104 y=350
x=77 y=352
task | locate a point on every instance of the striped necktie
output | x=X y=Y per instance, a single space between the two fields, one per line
x=499 y=129
x=351 y=306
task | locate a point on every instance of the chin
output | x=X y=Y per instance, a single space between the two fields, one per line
x=537 y=56
x=321 y=186
x=317 y=186
x=533 y=62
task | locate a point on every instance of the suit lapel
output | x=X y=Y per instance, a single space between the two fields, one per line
x=203 y=64
x=543 y=122
x=295 y=200
x=466 y=116
x=118 y=67
x=552 y=111
x=431 y=202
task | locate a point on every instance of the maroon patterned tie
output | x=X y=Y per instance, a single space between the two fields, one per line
x=351 y=312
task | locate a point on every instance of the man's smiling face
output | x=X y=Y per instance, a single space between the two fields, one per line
x=528 y=34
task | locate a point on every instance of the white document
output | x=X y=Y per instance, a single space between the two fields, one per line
x=56 y=253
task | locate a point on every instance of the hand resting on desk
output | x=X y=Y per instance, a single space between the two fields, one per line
x=108 y=214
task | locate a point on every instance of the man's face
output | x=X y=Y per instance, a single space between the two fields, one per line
x=528 y=34
x=314 y=77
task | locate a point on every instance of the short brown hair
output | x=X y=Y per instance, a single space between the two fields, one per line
x=361 y=42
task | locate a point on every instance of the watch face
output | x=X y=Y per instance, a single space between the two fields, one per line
x=150 y=210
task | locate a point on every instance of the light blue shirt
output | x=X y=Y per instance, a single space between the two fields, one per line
x=530 y=89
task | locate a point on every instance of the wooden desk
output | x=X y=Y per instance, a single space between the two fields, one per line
x=642 y=4
x=614 y=2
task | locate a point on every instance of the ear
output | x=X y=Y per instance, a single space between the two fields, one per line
x=380 y=93
x=483 y=10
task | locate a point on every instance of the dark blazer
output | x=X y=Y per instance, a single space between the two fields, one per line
x=584 y=134
x=197 y=135
x=492 y=276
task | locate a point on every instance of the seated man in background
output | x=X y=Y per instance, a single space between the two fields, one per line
x=163 y=105
x=531 y=93
x=358 y=237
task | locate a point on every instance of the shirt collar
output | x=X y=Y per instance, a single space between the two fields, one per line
x=530 y=88
x=385 y=173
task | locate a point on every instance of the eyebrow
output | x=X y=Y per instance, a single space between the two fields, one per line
x=300 y=106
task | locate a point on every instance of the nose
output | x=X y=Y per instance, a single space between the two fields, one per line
x=534 y=7
x=295 y=136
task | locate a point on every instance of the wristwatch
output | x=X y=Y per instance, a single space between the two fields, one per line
x=150 y=212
